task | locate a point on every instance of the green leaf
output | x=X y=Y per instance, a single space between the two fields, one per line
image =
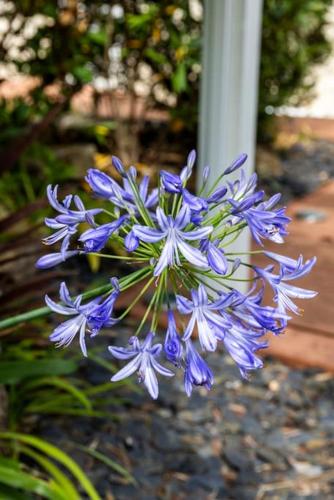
x=12 y=372
x=98 y=37
x=61 y=384
x=155 y=56
x=57 y=454
x=67 y=487
x=179 y=79
x=83 y=74
x=108 y=462
x=22 y=480
x=10 y=462
x=9 y=493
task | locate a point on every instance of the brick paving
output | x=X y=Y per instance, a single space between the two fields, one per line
x=309 y=340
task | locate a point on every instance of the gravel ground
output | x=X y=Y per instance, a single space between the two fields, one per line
x=298 y=170
x=271 y=437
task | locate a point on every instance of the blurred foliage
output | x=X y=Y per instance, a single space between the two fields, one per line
x=145 y=48
x=36 y=380
x=293 y=40
x=46 y=479
x=160 y=47
x=29 y=464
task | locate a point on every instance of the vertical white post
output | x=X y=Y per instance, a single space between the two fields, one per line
x=228 y=101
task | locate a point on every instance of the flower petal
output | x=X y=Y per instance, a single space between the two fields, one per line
x=197 y=234
x=82 y=339
x=151 y=382
x=162 y=219
x=128 y=369
x=183 y=217
x=161 y=369
x=166 y=258
x=148 y=234
x=192 y=254
x=122 y=352
x=58 y=308
x=217 y=260
x=184 y=305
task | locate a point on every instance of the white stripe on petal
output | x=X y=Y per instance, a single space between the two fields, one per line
x=206 y=336
x=151 y=382
x=197 y=234
x=193 y=255
x=148 y=234
x=161 y=369
x=188 y=331
x=122 y=352
x=166 y=258
x=296 y=292
x=82 y=339
x=58 y=308
x=128 y=369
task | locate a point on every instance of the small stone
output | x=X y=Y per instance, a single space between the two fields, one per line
x=237 y=409
x=129 y=441
x=274 y=386
x=307 y=469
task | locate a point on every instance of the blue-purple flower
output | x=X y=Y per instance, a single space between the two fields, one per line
x=144 y=361
x=131 y=242
x=242 y=343
x=263 y=222
x=210 y=324
x=95 y=239
x=68 y=216
x=196 y=372
x=173 y=345
x=123 y=197
x=53 y=259
x=83 y=316
x=175 y=184
x=101 y=315
x=172 y=231
x=215 y=255
x=284 y=291
x=66 y=224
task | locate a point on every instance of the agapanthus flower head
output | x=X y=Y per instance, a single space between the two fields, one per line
x=179 y=242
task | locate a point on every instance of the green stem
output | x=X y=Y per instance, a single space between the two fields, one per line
x=251 y=252
x=153 y=299
x=136 y=299
x=109 y=213
x=125 y=283
x=228 y=233
x=139 y=202
x=120 y=257
x=158 y=301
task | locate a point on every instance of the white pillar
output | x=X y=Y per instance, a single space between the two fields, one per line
x=228 y=101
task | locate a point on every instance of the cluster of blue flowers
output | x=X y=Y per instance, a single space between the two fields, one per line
x=179 y=244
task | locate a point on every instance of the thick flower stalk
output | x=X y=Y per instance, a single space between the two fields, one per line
x=180 y=244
